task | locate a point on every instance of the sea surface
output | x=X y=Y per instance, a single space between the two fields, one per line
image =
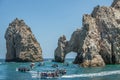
x=8 y=71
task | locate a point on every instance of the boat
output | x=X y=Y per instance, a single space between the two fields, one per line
x=50 y=74
x=41 y=64
x=47 y=75
x=66 y=64
x=54 y=65
x=61 y=71
x=23 y=69
x=32 y=65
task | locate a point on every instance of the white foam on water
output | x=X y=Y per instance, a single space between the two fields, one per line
x=34 y=74
x=16 y=69
x=104 y=73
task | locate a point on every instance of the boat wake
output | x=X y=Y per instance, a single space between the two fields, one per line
x=34 y=74
x=104 y=73
x=100 y=74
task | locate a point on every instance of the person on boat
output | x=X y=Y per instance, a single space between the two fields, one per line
x=38 y=74
x=56 y=74
x=63 y=72
x=32 y=65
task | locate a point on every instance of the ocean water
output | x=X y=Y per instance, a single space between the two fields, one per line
x=8 y=71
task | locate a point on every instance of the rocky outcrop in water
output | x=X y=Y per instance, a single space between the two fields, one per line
x=21 y=44
x=59 y=52
x=98 y=42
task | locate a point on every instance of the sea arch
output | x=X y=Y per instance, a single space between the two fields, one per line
x=70 y=56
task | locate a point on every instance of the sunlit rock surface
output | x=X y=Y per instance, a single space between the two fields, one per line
x=98 y=41
x=21 y=44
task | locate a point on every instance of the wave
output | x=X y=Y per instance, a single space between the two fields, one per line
x=104 y=73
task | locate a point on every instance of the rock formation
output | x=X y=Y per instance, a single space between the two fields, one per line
x=60 y=49
x=21 y=44
x=98 y=42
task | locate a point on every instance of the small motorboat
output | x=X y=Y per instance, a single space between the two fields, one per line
x=47 y=75
x=61 y=71
x=54 y=65
x=66 y=64
x=51 y=74
x=32 y=65
x=41 y=64
x=23 y=69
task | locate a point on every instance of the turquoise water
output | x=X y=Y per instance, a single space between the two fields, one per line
x=74 y=72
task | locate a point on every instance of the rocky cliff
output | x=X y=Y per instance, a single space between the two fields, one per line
x=98 y=42
x=21 y=44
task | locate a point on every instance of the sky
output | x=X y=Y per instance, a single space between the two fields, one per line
x=48 y=19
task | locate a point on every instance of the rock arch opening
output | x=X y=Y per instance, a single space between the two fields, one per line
x=70 y=56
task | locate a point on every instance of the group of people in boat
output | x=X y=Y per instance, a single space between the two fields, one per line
x=52 y=74
x=23 y=69
x=47 y=74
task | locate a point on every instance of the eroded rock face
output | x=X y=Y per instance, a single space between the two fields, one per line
x=21 y=44
x=59 y=52
x=98 y=42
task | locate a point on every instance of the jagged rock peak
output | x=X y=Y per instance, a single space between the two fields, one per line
x=116 y=4
x=21 y=44
x=17 y=22
x=102 y=12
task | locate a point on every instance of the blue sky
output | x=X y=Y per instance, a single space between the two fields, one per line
x=48 y=19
